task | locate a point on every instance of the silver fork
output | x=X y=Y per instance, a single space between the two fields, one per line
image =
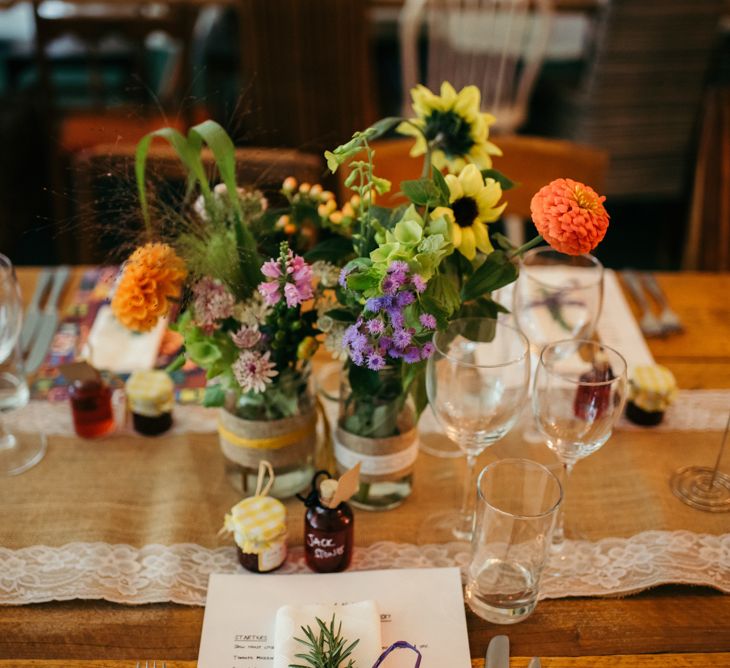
x=648 y=322
x=147 y=664
x=668 y=319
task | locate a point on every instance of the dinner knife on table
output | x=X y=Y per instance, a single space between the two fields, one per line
x=498 y=652
x=47 y=322
x=33 y=312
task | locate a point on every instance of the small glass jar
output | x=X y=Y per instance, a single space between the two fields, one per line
x=328 y=532
x=150 y=397
x=258 y=525
x=91 y=407
x=377 y=427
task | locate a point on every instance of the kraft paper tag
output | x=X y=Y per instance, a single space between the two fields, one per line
x=347 y=485
x=79 y=371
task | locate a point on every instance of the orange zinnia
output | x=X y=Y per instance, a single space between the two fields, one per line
x=570 y=216
x=152 y=276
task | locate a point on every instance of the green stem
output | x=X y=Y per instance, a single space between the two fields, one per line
x=527 y=246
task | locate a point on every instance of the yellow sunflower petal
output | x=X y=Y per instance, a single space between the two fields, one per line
x=425 y=101
x=495 y=213
x=445 y=212
x=471 y=180
x=481 y=237
x=419 y=148
x=439 y=160
x=448 y=95
x=454 y=187
x=480 y=157
x=456 y=236
x=468 y=102
x=468 y=246
x=408 y=129
x=455 y=165
x=492 y=149
x=488 y=197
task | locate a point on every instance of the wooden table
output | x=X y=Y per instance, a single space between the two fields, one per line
x=687 y=626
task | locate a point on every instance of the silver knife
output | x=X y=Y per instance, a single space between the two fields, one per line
x=535 y=662
x=33 y=312
x=47 y=322
x=498 y=652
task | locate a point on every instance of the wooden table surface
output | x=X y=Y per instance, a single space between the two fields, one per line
x=686 y=626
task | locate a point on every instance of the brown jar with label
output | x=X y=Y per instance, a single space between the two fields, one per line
x=328 y=532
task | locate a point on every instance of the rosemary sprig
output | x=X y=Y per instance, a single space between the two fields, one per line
x=326 y=649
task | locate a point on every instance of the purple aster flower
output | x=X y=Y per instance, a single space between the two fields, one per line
x=412 y=355
x=389 y=285
x=418 y=283
x=396 y=318
x=395 y=353
x=375 y=361
x=427 y=350
x=398 y=266
x=357 y=357
x=359 y=342
x=350 y=334
x=343 y=277
x=405 y=298
x=374 y=304
x=385 y=342
x=427 y=320
x=402 y=337
x=375 y=326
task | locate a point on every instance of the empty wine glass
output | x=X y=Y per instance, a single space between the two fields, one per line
x=578 y=394
x=18 y=452
x=477 y=381
x=556 y=297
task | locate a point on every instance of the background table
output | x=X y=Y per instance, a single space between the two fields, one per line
x=675 y=620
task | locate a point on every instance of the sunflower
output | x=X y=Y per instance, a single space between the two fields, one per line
x=453 y=126
x=472 y=204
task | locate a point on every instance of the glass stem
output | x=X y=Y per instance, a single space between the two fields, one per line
x=467 y=501
x=7 y=440
x=559 y=530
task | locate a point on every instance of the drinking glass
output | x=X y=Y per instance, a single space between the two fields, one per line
x=477 y=381
x=578 y=394
x=518 y=501
x=18 y=452
x=556 y=297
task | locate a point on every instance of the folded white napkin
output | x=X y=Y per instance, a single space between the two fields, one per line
x=113 y=347
x=359 y=620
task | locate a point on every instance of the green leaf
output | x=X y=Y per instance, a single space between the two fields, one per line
x=505 y=182
x=503 y=242
x=496 y=272
x=423 y=192
x=363 y=380
x=214 y=396
x=440 y=181
x=203 y=353
x=442 y=292
x=341 y=315
x=482 y=308
x=332 y=250
x=384 y=125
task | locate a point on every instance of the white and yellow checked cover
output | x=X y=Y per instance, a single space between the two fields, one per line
x=256 y=522
x=150 y=393
x=652 y=387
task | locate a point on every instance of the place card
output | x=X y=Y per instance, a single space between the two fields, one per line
x=425 y=607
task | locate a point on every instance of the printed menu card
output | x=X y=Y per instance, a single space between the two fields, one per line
x=424 y=607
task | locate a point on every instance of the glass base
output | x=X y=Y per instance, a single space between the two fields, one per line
x=693 y=485
x=21 y=452
x=445 y=527
x=502 y=592
x=383 y=495
x=288 y=481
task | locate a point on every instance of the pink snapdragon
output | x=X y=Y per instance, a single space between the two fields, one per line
x=289 y=277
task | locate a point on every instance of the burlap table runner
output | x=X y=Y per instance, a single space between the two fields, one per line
x=173 y=490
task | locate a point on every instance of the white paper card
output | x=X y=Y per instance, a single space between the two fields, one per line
x=424 y=607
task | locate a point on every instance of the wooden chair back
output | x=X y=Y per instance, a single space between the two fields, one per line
x=497 y=45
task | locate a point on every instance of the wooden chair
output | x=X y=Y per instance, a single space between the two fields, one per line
x=707 y=247
x=99 y=120
x=531 y=161
x=306 y=75
x=106 y=190
x=498 y=45
x=641 y=92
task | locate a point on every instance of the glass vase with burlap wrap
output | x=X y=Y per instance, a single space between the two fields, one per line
x=285 y=435
x=377 y=427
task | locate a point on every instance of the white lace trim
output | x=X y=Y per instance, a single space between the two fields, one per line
x=179 y=573
x=694 y=410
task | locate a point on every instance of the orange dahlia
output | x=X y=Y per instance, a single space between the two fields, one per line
x=152 y=276
x=570 y=216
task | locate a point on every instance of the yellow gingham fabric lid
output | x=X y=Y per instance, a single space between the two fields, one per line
x=652 y=387
x=150 y=393
x=256 y=520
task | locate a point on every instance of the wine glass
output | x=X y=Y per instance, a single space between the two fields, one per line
x=18 y=452
x=556 y=297
x=477 y=381
x=578 y=394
